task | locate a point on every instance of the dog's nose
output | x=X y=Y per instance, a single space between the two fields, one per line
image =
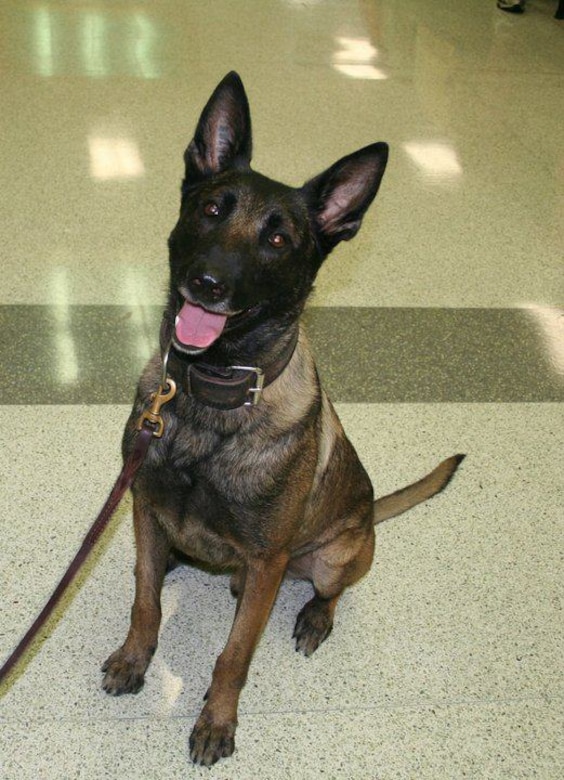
x=206 y=288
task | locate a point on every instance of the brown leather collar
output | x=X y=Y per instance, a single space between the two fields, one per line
x=231 y=387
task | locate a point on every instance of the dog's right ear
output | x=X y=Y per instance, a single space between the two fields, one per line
x=223 y=135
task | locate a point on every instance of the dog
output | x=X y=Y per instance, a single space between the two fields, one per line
x=254 y=474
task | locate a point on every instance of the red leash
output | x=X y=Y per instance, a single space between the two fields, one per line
x=150 y=425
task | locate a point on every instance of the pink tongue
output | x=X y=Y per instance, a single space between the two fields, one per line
x=197 y=327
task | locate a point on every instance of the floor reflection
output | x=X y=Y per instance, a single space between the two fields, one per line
x=88 y=41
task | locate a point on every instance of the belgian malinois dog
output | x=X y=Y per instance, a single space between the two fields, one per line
x=254 y=474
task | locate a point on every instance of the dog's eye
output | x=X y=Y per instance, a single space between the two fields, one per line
x=277 y=240
x=211 y=209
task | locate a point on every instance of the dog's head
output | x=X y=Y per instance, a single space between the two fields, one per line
x=246 y=249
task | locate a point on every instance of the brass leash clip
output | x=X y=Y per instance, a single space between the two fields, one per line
x=166 y=391
x=158 y=399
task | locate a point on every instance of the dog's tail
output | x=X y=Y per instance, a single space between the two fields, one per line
x=407 y=497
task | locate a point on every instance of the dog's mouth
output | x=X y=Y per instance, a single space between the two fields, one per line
x=197 y=328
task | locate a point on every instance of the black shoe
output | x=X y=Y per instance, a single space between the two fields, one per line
x=510 y=7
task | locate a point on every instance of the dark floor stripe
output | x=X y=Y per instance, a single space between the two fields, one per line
x=94 y=354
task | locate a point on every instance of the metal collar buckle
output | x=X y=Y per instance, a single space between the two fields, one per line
x=255 y=393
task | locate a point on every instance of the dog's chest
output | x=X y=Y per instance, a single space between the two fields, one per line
x=211 y=490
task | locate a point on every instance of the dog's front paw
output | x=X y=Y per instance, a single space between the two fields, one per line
x=124 y=673
x=211 y=741
x=313 y=626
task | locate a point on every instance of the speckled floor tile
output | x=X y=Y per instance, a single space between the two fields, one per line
x=507 y=741
x=474 y=183
x=461 y=609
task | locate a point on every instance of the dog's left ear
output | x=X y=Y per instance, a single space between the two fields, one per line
x=339 y=197
x=223 y=135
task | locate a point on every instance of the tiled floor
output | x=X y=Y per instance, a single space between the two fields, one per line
x=439 y=329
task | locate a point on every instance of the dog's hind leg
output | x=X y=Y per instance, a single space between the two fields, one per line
x=125 y=669
x=332 y=569
x=314 y=623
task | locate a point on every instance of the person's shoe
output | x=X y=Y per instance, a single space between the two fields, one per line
x=511 y=6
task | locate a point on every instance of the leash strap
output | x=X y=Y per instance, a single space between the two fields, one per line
x=150 y=425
